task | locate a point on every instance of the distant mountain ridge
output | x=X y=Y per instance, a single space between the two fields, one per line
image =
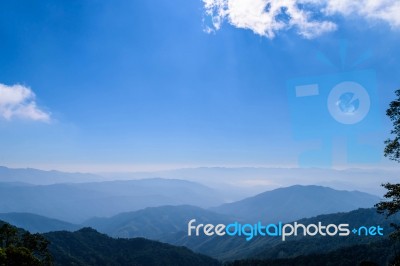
x=36 y=223
x=77 y=202
x=296 y=202
x=41 y=177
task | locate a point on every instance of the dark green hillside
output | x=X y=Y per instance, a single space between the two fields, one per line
x=88 y=247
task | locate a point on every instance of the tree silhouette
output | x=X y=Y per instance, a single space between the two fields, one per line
x=392 y=149
x=391 y=204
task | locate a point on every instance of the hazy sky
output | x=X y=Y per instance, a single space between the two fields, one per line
x=120 y=85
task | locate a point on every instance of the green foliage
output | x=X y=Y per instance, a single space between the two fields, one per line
x=393 y=194
x=396 y=261
x=20 y=256
x=3 y=257
x=20 y=248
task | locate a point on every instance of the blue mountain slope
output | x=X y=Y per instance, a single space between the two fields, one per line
x=296 y=202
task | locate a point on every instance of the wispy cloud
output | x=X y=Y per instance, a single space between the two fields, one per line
x=18 y=101
x=310 y=18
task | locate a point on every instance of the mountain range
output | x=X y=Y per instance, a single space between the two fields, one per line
x=169 y=223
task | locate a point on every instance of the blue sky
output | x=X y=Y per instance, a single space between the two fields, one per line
x=126 y=85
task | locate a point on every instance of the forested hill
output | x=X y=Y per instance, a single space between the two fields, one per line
x=88 y=247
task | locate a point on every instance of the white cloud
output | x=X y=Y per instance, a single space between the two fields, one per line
x=384 y=10
x=268 y=17
x=18 y=101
